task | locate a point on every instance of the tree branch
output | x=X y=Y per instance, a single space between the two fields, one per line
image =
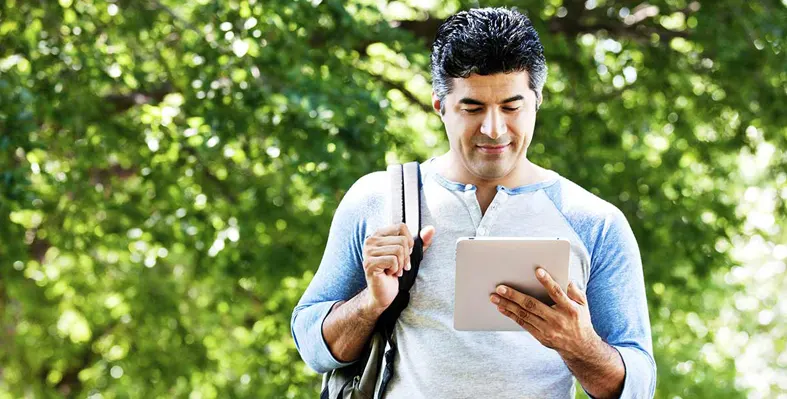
x=407 y=93
x=573 y=24
x=425 y=29
x=637 y=32
x=123 y=102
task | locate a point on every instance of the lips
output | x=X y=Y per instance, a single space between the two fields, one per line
x=496 y=149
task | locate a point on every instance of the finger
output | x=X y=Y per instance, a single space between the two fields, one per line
x=576 y=294
x=381 y=264
x=408 y=250
x=390 y=230
x=553 y=288
x=394 y=269
x=399 y=229
x=427 y=234
x=526 y=302
x=514 y=309
x=377 y=241
x=535 y=332
x=396 y=250
x=380 y=241
x=408 y=245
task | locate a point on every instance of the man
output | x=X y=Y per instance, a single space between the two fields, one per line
x=488 y=73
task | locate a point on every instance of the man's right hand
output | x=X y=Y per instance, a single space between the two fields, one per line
x=386 y=255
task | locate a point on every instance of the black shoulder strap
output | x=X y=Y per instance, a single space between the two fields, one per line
x=406 y=208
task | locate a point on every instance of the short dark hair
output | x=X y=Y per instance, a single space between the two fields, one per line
x=486 y=41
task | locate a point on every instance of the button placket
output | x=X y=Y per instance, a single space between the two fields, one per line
x=471 y=202
x=491 y=214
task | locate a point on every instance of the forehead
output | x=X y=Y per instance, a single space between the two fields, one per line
x=492 y=87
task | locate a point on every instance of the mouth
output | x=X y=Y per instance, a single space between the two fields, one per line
x=492 y=149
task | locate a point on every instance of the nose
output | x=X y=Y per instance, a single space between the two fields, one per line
x=494 y=124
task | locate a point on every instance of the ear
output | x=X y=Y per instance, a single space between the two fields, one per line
x=539 y=100
x=436 y=104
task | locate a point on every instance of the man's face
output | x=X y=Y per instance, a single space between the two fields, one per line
x=489 y=121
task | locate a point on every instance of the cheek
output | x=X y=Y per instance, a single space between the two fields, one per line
x=462 y=131
x=521 y=127
x=457 y=133
x=469 y=134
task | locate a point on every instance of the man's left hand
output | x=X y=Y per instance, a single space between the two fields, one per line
x=564 y=326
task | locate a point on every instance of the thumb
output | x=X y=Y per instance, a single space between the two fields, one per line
x=576 y=294
x=427 y=234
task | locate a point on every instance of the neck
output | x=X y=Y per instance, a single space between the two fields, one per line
x=524 y=173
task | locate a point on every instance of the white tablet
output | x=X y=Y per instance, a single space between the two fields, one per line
x=483 y=263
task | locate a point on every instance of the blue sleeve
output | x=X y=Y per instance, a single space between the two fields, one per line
x=618 y=307
x=339 y=277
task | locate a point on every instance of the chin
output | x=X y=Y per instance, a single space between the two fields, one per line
x=491 y=173
x=491 y=170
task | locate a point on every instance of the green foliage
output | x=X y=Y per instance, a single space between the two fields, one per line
x=169 y=171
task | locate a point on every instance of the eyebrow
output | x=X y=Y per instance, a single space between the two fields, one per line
x=471 y=101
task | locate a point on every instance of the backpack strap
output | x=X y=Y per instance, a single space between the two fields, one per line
x=396 y=175
x=412 y=197
x=408 y=193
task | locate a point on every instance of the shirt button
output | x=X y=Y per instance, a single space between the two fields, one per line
x=481 y=231
x=468 y=187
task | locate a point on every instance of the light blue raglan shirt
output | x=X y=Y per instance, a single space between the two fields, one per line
x=436 y=361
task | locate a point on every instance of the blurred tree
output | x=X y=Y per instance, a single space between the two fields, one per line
x=169 y=171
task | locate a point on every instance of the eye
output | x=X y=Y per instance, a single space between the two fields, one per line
x=510 y=109
x=472 y=110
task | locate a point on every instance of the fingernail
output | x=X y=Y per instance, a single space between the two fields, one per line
x=495 y=299
x=501 y=290
x=540 y=272
x=407 y=266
